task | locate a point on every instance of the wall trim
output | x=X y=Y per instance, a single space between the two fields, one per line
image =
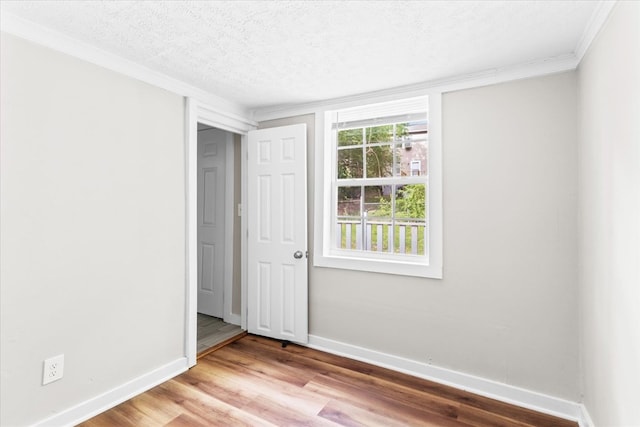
x=232 y=111
x=229 y=221
x=234 y=319
x=545 y=66
x=197 y=112
x=597 y=21
x=52 y=39
x=212 y=117
x=537 y=68
x=585 y=419
x=98 y=404
x=484 y=387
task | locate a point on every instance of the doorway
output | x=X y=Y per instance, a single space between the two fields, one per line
x=218 y=238
x=286 y=302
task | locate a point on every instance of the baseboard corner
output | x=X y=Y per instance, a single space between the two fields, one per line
x=107 y=400
x=584 y=420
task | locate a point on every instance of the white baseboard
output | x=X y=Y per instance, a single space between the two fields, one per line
x=232 y=318
x=492 y=389
x=585 y=419
x=484 y=387
x=113 y=397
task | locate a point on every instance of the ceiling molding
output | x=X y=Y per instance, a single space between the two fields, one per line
x=466 y=81
x=55 y=40
x=243 y=116
x=597 y=21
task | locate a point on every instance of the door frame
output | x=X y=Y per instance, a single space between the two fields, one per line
x=195 y=112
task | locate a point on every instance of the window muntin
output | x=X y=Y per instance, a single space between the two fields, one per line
x=380 y=186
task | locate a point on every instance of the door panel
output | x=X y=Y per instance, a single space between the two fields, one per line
x=209 y=188
x=211 y=221
x=277 y=281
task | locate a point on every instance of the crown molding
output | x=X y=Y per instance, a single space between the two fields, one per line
x=17 y=26
x=597 y=21
x=465 y=81
x=28 y=30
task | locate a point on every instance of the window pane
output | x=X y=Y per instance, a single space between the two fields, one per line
x=409 y=237
x=379 y=134
x=350 y=137
x=349 y=201
x=411 y=157
x=397 y=165
x=377 y=201
x=379 y=161
x=350 y=163
x=410 y=202
x=403 y=131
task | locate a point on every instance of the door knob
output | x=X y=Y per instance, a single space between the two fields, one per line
x=297 y=254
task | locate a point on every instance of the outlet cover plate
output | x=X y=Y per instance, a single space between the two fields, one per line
x=53 y=369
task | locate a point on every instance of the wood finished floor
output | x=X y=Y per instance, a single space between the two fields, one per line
x=255 y=382
x=212 y=331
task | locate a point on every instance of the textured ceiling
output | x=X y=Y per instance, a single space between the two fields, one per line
x=262 y=53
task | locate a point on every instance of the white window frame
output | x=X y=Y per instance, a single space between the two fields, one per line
x=429 y=266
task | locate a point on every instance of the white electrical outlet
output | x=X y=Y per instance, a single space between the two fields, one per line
x=53 y=369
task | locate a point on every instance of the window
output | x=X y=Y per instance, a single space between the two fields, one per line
x=379 y=208
x=415 y=167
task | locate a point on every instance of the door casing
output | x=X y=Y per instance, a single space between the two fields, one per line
x=197 y=112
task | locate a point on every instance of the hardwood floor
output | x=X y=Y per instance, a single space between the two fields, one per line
x=213 y=331
x=255 y=382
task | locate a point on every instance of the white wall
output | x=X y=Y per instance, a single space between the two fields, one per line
x=609 y=124
x=92 y=232
x=506 y=309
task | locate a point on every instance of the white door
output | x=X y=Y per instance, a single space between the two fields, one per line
x=277 y=240
x=211 y=221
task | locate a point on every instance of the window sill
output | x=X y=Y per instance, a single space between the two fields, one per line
x=385 y=266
